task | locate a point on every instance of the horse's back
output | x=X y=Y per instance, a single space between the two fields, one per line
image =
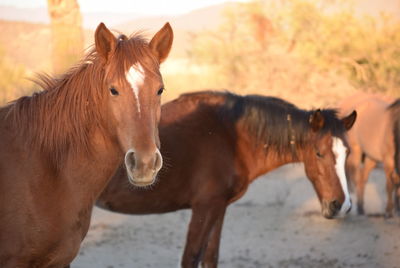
x=358 y=99
x=372 y=127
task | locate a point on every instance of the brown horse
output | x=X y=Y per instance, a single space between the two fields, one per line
x=374 y=138
x=216 y=144
x=60 y=147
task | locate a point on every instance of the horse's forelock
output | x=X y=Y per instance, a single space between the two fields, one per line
x=333 y=124
x=133 y=51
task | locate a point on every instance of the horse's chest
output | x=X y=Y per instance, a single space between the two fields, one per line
x=45 y=245
x=60 y=241
x=240 y=186
x=69 y=239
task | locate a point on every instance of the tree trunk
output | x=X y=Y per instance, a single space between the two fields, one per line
x=67 y=34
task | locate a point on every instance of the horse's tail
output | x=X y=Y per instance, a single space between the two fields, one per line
x=396 y=129
x=394 y=109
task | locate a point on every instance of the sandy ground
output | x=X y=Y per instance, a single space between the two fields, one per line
x=276 y=224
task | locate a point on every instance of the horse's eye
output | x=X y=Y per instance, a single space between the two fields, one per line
x=113 y=91
x=319 y=155
x=160 y=91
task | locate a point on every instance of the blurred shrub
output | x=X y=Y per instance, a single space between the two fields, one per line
x=363 y=48
x=298 y=48
x=13 y=82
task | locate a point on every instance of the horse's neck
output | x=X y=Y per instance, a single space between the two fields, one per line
x=93 y=170
x=258 y=159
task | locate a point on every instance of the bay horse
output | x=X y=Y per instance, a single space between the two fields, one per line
x=374 y=138
x=59 y=147
x=216 y=144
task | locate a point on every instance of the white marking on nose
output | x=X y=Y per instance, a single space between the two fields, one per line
x=135 y=77
x=340 y=152
x=160 y=163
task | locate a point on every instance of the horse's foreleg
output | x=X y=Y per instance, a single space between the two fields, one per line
x=351 y=170
x=369 y=164
x=204 y=216
x=353 y=162
x=210 y=259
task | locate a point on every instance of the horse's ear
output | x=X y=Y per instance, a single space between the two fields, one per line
x=349 y=120
x=316 y=120
x=161 y=43
x=105 y=42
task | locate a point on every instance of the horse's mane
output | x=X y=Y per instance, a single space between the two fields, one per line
x=60 y=118
x=395 y=106
x=266 y=118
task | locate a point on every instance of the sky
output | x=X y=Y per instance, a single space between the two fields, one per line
x=167 y=7
x=148 y=7
x=142 y=8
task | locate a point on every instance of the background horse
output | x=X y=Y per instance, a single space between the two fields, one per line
x=216 y=144
x=60 y=147
x=374 y=138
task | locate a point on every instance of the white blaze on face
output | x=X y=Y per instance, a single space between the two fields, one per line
x=340 y=152
x=135 y=77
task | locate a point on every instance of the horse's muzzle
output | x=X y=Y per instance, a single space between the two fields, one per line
x=142 y=169
x=330 y=208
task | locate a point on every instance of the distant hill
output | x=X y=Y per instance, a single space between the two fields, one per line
x=92 y=19
x=25 y=33
x=28 y=44
x=40 y=15
x=33 y=15
x=192 y=22
x=204 y=18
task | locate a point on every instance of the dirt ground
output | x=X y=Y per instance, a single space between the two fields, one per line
x=276 y=224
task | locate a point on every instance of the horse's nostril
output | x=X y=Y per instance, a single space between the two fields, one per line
x=130 y=161
x=335 y=205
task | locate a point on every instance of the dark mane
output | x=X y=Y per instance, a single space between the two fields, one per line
x=277 y=123
x=395 y=105
x=60 y=118
x=394 y=110
x=266 y=119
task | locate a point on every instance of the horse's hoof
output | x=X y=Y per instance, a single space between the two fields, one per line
x=388 y=215
x=360 y=211
x=397 y=212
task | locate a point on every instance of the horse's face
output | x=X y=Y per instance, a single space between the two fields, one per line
x=134 y=85
x=325 y=167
